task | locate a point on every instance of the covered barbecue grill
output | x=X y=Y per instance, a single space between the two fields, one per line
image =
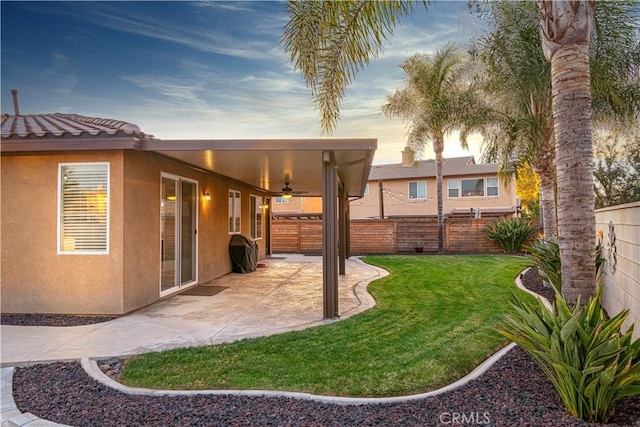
x=244 y=253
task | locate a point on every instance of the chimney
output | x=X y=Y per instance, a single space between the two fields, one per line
x=16 y=107
x=408 y=157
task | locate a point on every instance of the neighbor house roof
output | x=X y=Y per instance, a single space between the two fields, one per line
x=427 y=168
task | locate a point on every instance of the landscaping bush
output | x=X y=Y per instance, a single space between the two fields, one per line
x=510 y=233
x=582 y=351
x=545 y=256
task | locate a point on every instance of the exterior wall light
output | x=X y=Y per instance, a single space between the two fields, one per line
x=206 y=196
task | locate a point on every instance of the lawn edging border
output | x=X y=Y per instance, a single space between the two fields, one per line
x=91 y=368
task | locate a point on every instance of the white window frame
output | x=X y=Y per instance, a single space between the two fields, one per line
x=456 y=188
x=473 y=179
x=257 y=216
x=492 y=186
x=235 y=212
x=417 y=197
x=280 y=200
x=61 y=208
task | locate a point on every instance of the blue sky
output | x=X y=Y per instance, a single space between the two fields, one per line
x=198 y=70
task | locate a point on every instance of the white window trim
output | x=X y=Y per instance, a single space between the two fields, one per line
x=457 y=181
x=484 y=189
x=497 y=186
x=236 y=214
x=409 y=190
x=59 y=246
x=257 y=202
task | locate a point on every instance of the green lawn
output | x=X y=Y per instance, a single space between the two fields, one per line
x=433 y=323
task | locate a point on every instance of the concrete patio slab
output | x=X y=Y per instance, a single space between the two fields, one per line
x=284 y=295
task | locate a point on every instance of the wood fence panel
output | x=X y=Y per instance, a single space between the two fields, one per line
x=285 y=237
x=372 y=237
x=311 y=237
x=393 y=235
x=466 y=236
x=413 y=230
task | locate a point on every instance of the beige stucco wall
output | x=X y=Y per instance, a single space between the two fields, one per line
x=34 y=278
x=299 y=205
x=396 y=200
x=621 y=285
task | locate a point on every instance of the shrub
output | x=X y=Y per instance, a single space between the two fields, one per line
x=545 y=256
x=584 y=354
x=510 y=233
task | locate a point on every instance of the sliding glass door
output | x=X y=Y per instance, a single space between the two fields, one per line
x=178 y=228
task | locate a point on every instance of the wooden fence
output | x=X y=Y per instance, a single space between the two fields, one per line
x=388 y=236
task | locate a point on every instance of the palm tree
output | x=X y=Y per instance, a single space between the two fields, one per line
x=518 y=79
x=565 y=29
x=330 y=41
x=436 y=100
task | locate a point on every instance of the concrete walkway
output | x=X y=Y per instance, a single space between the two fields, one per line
x=284 y=295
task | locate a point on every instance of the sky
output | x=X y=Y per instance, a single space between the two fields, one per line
x=204 y=70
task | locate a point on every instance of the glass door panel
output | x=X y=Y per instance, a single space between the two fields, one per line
x=189 y=204
x=168 y=233
x=178 y=225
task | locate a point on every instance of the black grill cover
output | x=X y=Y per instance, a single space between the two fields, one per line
x=244 y=253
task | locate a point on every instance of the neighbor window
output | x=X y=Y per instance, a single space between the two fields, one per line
x=472 y=187
x=453 y=186
x=256 y=217
x=492 y=186
x=234 y=212
x=83 y=208
x=281 y=199
x=418 y=190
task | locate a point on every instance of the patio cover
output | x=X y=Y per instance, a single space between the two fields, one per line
x=334 y=169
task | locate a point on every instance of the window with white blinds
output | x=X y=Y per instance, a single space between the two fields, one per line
x=83 y=208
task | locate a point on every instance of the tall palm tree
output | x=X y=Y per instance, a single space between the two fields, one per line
x=437 y=100
x=565 y=29
x=330 y=41
x=518 y=78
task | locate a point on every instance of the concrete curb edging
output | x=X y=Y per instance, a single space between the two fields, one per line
x=92 y=369
x=540 y=297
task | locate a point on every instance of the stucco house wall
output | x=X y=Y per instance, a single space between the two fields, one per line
x=37 y=279
x=43 y=281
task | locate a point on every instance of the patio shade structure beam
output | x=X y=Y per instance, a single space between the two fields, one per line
x=329 y=237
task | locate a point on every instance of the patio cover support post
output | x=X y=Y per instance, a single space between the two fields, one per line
x=342 y=231
x=329 y=237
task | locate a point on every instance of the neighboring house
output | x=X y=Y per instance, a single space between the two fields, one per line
x=300 y=206
x=99 y=217
x=409 y=189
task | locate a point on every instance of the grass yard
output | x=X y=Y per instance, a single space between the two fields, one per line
x=433 y=323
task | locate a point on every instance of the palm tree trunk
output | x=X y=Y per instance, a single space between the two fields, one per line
x=438 y=148
x=570 y=80
x=547 y=183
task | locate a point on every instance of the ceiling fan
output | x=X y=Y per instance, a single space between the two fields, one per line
x=287 y=192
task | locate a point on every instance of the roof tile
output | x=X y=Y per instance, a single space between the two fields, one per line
x=59 y=125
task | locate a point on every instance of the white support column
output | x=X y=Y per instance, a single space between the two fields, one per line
x=329 y=237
